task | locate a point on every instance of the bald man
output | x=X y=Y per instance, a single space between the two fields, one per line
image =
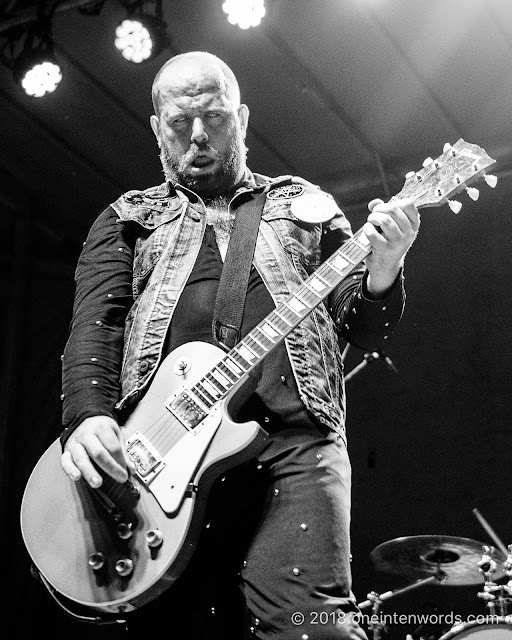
x=272 y=560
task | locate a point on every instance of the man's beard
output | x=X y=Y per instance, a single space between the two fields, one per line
x=221 y=181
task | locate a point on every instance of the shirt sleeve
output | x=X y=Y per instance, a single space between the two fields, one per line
x=94 y=350
x=362 y=321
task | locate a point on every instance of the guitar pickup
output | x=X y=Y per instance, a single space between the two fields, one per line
x=184 y=406
x=146 y=460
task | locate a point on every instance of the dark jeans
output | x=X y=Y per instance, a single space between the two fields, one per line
x=273 y=559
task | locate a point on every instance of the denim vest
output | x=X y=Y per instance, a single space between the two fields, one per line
x=171 y=225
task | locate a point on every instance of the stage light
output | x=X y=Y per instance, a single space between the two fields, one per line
x=37 y=69
x=141 y=36
x=133 y=41
x=244 y=13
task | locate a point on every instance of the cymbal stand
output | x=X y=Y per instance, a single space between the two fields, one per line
x=375 y=601
x=497 y=597
x=368 y=358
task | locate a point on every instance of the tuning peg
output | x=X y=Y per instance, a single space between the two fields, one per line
x=491 y=180
x=455 y=205
x=473 y=193
x=447 y=147
x=427 y=161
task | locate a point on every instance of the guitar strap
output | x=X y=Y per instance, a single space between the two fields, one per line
x=230 y=301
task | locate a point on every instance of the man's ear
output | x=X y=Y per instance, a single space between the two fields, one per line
x=155 y=125
x=243 y=116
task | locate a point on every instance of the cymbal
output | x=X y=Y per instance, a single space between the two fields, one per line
x=417 y=557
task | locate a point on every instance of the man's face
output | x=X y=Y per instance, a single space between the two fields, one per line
x=201 y=135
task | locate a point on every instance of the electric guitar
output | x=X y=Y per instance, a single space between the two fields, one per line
x=116 y=548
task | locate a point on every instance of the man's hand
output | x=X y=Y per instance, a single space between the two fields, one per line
x=97 y=439
x=391 y=229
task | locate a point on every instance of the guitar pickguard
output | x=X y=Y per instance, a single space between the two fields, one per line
x=178 y=467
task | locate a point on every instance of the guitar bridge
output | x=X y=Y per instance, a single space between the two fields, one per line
x=148 y=463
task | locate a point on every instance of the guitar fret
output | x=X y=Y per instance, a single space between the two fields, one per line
x=356 y=255
x=291 y=310
x=226 y=371
x=330 y=277
x=244 y=363
x=255 y=339
x=283 y=319
x=317 y=284
x=219 y=379
x=210 y=380
x=340 y=263
x=254 y=346
x=319 y=275
x=298 y=304
x=310 y=290
x=239 y=359
x=208 y=400
x=246 y=353
x=270 y=330
x=232 y=365
x=213 y=391
x=263 y=337
x=362 y=241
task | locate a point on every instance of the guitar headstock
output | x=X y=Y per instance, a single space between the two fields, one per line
x=457 y=167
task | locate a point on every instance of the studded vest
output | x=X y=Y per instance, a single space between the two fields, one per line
x=171 y=226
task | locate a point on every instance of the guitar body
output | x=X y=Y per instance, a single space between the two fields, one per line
x=76 y=536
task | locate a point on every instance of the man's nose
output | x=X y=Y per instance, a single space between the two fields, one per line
x=198 y=135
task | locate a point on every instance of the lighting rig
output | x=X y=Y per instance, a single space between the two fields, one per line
x=27 y=47
x=28 y=52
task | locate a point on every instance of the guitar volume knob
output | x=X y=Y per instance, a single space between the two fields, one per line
x=124 y=567
x=124 y=530
x=154 y=538
x=96 y=560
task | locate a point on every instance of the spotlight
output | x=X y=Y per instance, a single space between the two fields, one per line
x=37 y=69
x=141 y=36
x=244 y=13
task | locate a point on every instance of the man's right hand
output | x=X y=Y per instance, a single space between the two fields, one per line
x=97 y=439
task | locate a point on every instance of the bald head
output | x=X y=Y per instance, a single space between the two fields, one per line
x=194 y=69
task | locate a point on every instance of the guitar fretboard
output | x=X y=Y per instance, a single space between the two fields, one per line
x=257 y=344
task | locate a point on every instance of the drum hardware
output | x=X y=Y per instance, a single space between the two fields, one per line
x=449 y=561
x=375 y=600
x=368 y=358
x=498 y=598
x=497 y=624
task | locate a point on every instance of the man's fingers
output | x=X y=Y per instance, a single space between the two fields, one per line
x=69 y=466
x=96 y=445
x=389 y=226
x=113 y=442
x=105 y=459
x=399 y=215
x=76 y=463
x=374 y=203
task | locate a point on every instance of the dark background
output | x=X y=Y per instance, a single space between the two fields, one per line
x=350 y=94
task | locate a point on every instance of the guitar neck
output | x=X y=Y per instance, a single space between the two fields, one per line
x=271 y=331
x=433 y=185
